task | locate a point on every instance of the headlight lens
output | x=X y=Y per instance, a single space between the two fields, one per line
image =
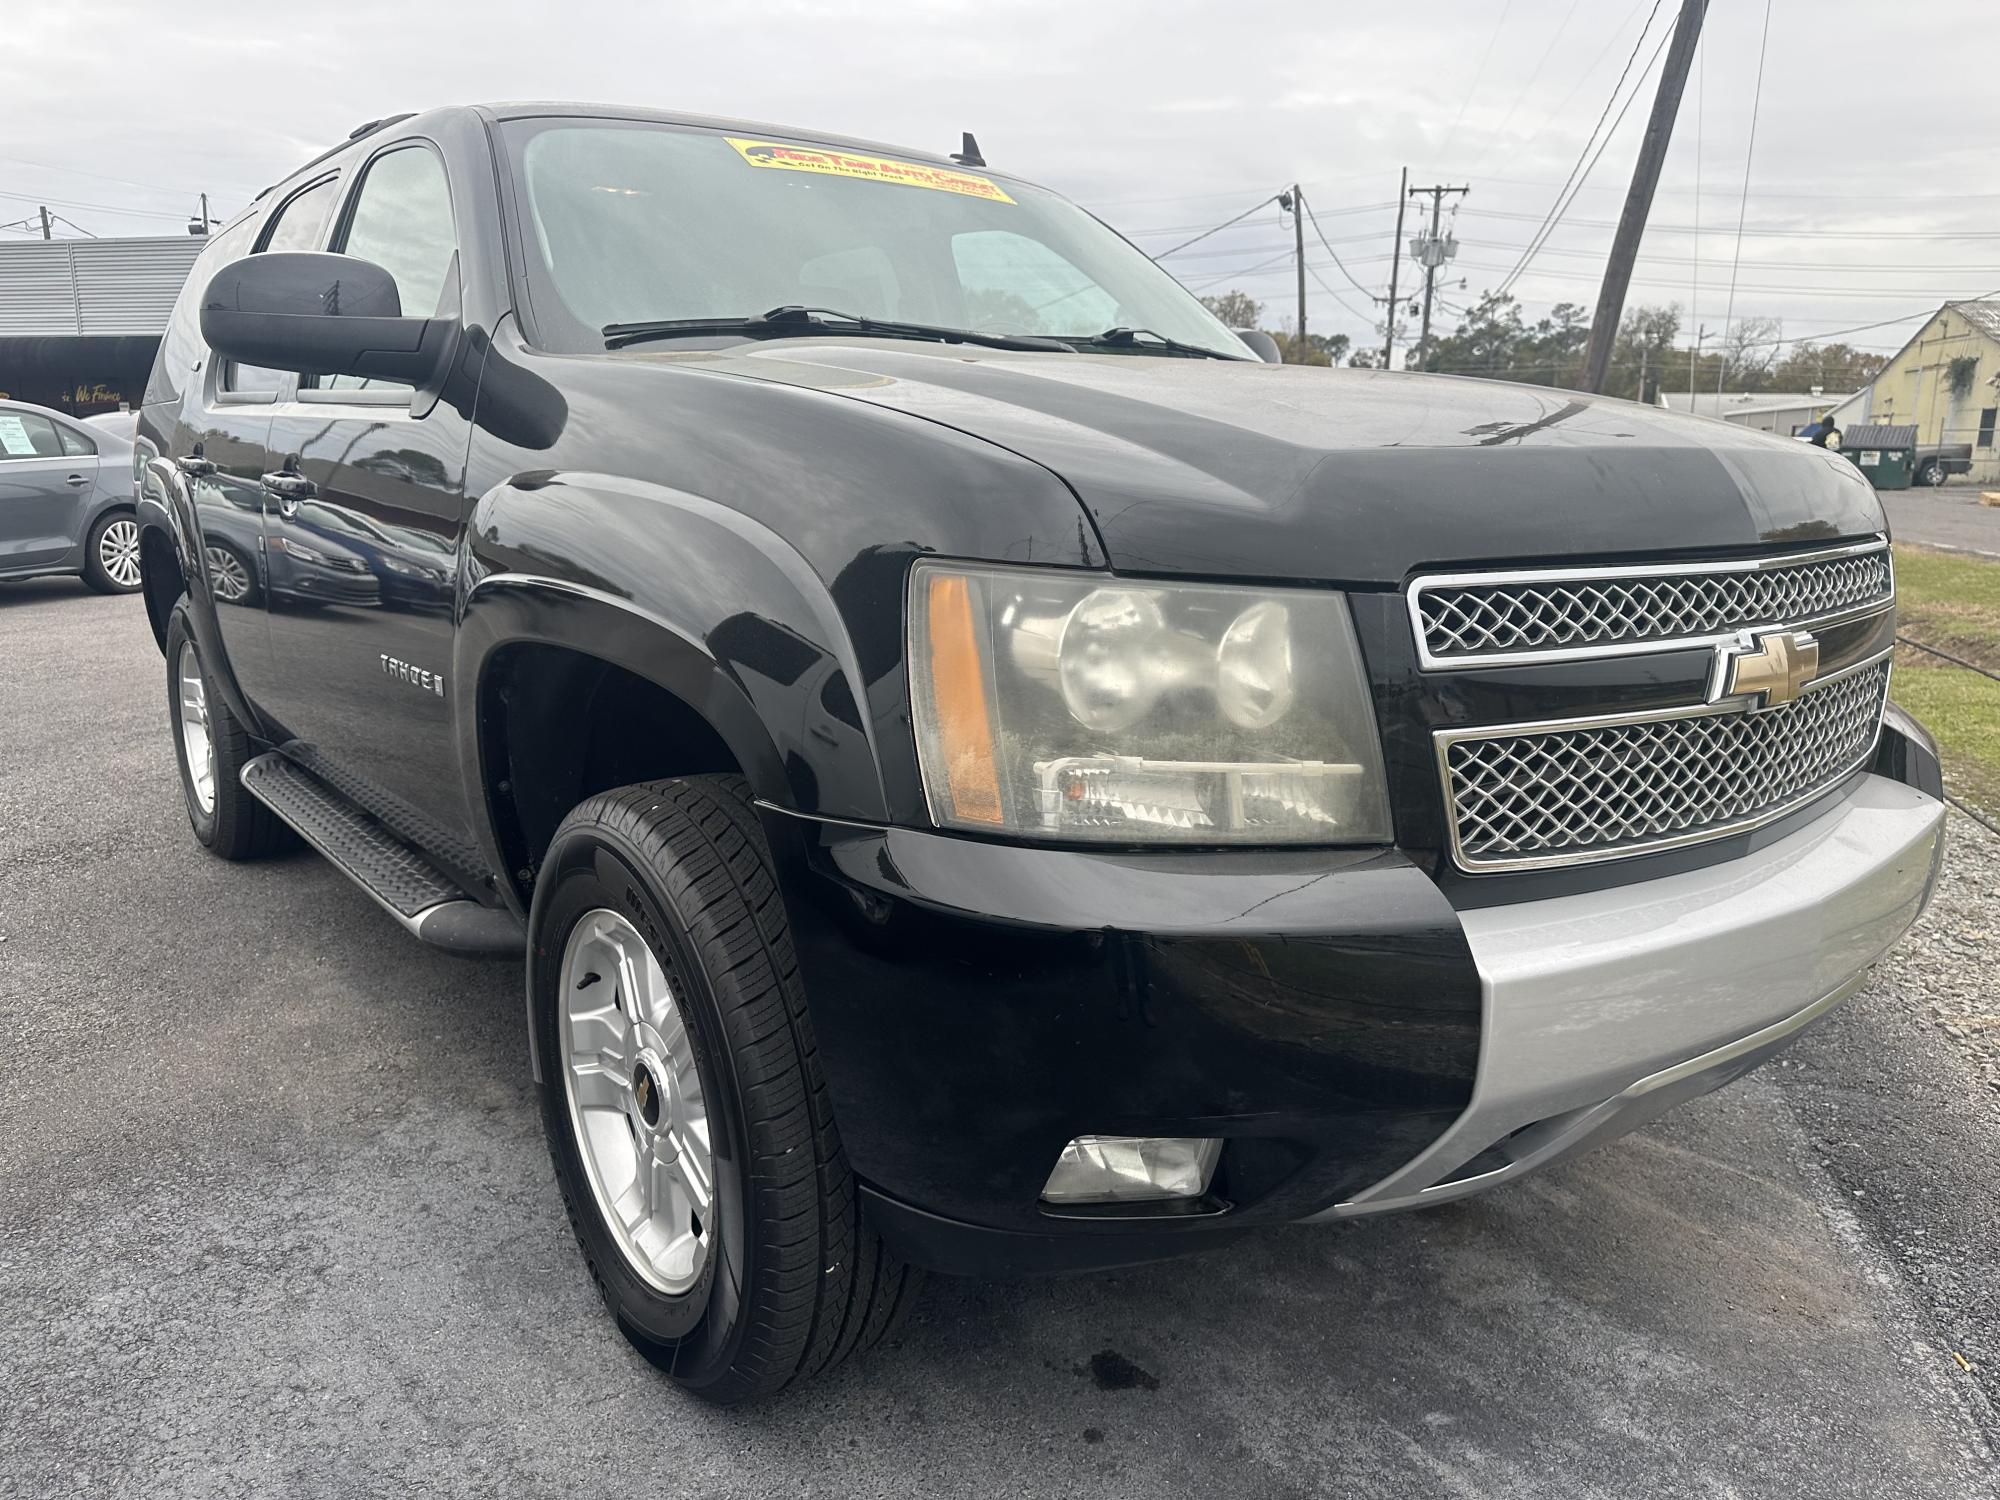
x=1067 y=706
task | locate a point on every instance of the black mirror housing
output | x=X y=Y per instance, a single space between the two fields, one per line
x=1261 y=344
x=317 y=314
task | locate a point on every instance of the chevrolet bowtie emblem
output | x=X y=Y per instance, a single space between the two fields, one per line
x=1775 y=667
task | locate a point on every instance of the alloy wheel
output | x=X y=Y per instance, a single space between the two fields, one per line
x=197 y=737
x=118 y=553
x=636 y=1103
x=227 y=576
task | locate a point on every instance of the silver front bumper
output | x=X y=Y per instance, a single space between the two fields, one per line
x=1603 y=1009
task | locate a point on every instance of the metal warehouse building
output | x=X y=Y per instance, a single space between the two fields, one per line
x=80 y=320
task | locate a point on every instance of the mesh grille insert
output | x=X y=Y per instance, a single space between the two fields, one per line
x=1463 y=622
x=1615 y=789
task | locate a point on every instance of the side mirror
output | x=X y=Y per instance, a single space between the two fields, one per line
x=1261 y=344
x=318 y=314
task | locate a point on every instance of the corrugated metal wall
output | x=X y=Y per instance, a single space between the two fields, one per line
x=92 y=286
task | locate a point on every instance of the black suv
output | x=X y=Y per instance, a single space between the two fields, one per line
x=987 y=774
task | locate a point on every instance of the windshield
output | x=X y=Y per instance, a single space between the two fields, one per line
x=636 y=222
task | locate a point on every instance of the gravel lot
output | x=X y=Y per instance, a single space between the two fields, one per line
x=275 y=1218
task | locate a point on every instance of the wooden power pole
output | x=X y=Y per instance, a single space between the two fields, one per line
x=1295 y=200
x=1395 y=265
x=1431 y=251
x=1639 y=200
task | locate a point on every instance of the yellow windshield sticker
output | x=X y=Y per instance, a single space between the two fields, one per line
x=833 y=163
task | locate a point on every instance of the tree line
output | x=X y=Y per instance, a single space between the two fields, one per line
x=1494 y=341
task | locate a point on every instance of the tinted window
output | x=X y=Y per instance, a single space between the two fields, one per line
x=299 y=222
x=74 y=443
x=402 y=222
x=303 y=218
x=25 y=435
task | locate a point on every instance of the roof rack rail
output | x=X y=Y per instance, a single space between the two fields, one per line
x=374 y=125
x=354 y=135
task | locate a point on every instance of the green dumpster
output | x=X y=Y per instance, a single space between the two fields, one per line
x=1887 y=455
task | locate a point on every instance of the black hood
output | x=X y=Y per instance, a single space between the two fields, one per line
x=1253 y=470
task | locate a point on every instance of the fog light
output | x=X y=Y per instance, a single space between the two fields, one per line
x=1131 y=1169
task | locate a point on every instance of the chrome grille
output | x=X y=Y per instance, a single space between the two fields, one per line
x=1596 y=789
x=1470 y=620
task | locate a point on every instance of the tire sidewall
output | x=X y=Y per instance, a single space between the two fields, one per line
x=180 y=637
x=589 y=867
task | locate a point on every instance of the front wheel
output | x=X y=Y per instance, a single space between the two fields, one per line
x=111 y=554
x=690 y=1128
x=1931 y=474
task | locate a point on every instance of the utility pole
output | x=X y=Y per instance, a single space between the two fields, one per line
x=1694 y=365
x=46 y=233
x=1430 y=252
x=1295 y=201
x=1395 y=264
x=1639 y=199
x=1643 y=352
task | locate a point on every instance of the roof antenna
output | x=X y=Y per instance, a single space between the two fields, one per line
x=967 y=155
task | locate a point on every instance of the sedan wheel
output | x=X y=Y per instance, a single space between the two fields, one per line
x=118 y=550
x=227 y=576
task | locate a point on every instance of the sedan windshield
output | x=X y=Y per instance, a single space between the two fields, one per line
x=636 y=223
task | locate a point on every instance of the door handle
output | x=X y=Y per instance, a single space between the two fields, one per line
x=194 y=466
x=290 y=488
x=78 y=480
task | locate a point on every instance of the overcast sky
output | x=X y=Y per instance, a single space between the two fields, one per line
x=1874 y=192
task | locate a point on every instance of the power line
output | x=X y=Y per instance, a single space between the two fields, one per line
x=1217 y=229
x=102 y=208
x=1335 y=293
x=1494 y=135
x=151 y=187
x=1314 y=219
x=1753 y=232
x=1562 y=204
x=1478 y=77
x=1331 y=213
x=1591 y=139
x=1743 y=203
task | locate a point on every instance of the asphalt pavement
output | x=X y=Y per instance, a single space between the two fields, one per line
x=1950 y=516
x=276 y=1218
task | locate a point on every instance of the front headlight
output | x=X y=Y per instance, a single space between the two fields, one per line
x=1071 y=706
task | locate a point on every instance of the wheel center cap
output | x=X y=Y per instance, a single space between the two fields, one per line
x=646 y=1094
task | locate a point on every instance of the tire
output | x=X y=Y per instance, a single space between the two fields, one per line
x=227 y=820
x=111 y=554
x=1932 y=474
x=682 y=867
x=232 y=577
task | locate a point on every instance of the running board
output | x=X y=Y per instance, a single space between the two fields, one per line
x=402 y=881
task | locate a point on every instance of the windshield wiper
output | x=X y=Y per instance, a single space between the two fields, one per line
x=793 y=321
x=1154 y=343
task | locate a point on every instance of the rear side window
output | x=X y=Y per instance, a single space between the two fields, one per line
x=401 y=221
x=74 y=443
x=302 y=220
x=25 y=435
x=298 y=225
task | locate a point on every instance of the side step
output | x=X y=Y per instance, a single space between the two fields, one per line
x=413 y=890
